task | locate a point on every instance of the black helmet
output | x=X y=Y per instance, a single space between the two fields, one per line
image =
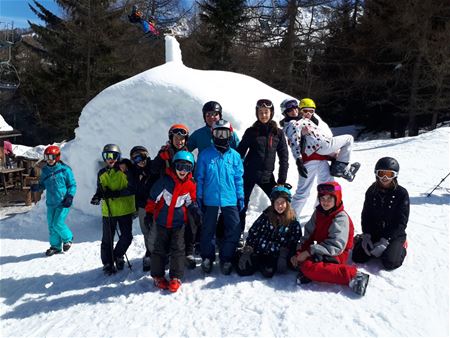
x=387 y=163
x=265 y=103
x=212 y=106
x=138 y=150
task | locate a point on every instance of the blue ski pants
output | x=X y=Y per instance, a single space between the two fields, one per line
x=58 y=230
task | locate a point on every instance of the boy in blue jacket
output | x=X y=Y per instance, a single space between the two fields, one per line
x=220 y=185
x=57 y=178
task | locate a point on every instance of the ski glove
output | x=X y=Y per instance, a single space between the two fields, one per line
x=67 y=201
x=240 y=204
x=197 y=214
x=282 y=260
x=95 y=200
x=379 y=247
x=302 y=171
x=367 y=244
x=111 y=194
x=245 y=258
x=148 y=219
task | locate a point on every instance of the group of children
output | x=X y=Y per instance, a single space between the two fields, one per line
x=174 y=197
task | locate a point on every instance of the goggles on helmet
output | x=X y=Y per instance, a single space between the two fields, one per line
x=110 y=155
x=221 y=133
x=327 y=188
x=291 y=104
x=389 y=174
x=179 y=131
x=183 y=166
x=264 y=103
x=138 y=158
x=51 y=157
x=211 y=113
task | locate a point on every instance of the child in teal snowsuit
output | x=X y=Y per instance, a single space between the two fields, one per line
x=57 y=178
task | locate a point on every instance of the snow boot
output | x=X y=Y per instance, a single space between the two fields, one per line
x=302 y=279
x=190 y=262
x=161 y=283
x=109 y=269
x=342 y=169
x=52 y=250
x=207 y=265
x=146 y=261
x=226 y=268
x=359 y=283
x=67 y=245
x=174 y=284
x=120 y=263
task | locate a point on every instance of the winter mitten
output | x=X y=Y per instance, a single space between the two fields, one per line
x=379 y=247
x=366 y=243
x=240 y=204
x=245 y=257
x=95 y=200
x=67 y=201
x=282 y=260
x=302 y=171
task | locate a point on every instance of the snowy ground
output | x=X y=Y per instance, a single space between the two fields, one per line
x=68 y=295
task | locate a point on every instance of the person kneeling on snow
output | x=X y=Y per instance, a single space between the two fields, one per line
x=115 y=187
x=57 y=178
x=328 y=239
x=384 y=218
x=272 y=239
x=169 y=198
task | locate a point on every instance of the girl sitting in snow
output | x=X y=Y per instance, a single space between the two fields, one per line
x=384 y=218
x=328 y=239
x=272 y=239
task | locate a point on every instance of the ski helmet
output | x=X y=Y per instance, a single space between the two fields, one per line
x=112 y=149
x=179 y=129
x=212 y=106
x=280 y=191
x=184 y=155
x=52 y=153
x=138 y=154
x=288 y=104
x=331 y=188
x=222 y=132
x=387 y=163
x=306 y=103
x=265 y=103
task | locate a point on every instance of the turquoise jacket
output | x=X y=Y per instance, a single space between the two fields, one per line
x=59 y=182
x=202 y=139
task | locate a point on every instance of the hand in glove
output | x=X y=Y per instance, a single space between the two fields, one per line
x=302 y=171
x=67 y=201
x=367 y=244
x=197 y=214
x=148 y=219
x=379 y=247
x=96 y=200
x=110 y=194
x=282 y=260
x=245 y=258
x=240 y=204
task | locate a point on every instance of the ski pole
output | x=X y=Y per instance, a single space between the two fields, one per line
x=438 y=185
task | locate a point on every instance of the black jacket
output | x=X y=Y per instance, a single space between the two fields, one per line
x=264 y=142
x=385 y=212
x=143 y=180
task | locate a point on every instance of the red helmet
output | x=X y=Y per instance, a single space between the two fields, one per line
x=331 y=188
x=52 y=153
x=179 y=129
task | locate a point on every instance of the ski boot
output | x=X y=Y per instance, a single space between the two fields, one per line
x=359 y=283
x=302 y=279
x=161 y=283
x=207 y=265
x=146 y=263
x=342 y=169
x=109 y=269
x=120 y=263
x=52 y=250
x=67 y=245
x=174 y=284
x=190 y=262
x=226 y=268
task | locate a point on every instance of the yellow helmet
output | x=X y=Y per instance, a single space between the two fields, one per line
x=306 y=103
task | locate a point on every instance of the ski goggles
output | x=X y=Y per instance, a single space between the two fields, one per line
x=138 y=158
x=222 y=133
x=179 y=131
x=264 y=103
x=290 y=105
x=110 y=155
x=327 y=188
x=212 y=114
x=389 y=174
x=51 y=157
x=182 y=166
x=307 y=111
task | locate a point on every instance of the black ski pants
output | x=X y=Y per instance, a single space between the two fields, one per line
x=391 y=258
x=266 y=264
x=168 y=241
x=108 y=254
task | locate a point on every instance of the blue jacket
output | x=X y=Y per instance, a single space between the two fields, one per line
x=202 y=139
x=59 y=182
x=219 y=177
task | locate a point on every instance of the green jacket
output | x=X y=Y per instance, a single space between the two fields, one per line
x=120 y=187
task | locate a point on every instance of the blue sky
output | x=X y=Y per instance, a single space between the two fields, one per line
x=19 y=12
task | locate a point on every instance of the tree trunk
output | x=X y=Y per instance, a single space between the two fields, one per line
x=413 y=129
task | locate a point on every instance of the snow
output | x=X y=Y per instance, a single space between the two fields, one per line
x=68 y=295
x=4 y=126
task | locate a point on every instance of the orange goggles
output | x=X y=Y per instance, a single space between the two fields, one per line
x=386 y=173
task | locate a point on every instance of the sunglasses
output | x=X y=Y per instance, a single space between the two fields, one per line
x=181 y=166
x=179 y=131
x=110 y=155
x=327 y=188
x=264 y=103
x=212 y=114
x=390 y=174
x=221 y=133
x=138 y=158
x=51 y=157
